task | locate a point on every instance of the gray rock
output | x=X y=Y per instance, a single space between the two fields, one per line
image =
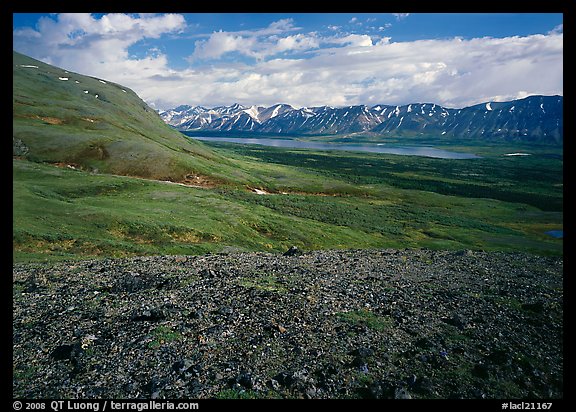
x=245 y=379
x=293 y=251
x=130 y=282
x=320 y=326
x=19 y=148
x=402 y=393
x=148 y=315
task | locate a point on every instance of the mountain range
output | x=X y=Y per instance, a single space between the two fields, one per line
x=534 y=118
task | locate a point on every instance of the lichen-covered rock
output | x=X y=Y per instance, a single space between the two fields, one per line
x=327 y=324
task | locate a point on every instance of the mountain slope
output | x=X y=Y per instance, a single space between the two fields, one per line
x=535 y=118
x=97 y=125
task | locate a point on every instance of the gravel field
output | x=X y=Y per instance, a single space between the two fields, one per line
x=324 y=324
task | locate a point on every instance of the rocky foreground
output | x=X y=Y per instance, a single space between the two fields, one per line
x=327 y=324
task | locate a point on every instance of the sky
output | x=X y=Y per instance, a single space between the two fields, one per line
x=306 y=59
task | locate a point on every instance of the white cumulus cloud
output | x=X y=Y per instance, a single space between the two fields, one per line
x=221 y=43
x=282 y=63
x=258 y=43
x=98 y=47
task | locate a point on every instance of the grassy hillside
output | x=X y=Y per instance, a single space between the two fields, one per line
x=97 y=125
x=63 y=213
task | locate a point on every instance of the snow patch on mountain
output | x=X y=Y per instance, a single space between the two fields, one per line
x=253 y=112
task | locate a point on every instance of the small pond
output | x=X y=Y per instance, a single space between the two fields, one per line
x=558 y=234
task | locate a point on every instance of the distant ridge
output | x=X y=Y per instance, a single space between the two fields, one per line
x=532 y=119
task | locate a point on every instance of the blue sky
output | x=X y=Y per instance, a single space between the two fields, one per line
x=306 y=59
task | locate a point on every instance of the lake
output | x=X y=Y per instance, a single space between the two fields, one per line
x=356 y=147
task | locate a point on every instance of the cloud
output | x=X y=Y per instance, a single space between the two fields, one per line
x=73 y=28
x=558 y=29
x=353 y=40
x=287 y=65
x=257 y=44
x=220 y=43
x=296 y=42
x=400 y=16
x=452 y=72
x=96 y=46
x=278 y=27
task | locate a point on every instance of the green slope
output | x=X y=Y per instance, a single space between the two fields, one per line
x=62 y=213
x=97 y=125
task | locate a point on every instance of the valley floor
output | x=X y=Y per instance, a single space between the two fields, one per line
x=314 y=200
x=386 y=323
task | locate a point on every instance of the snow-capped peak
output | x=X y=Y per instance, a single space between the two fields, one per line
x=253 y=112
